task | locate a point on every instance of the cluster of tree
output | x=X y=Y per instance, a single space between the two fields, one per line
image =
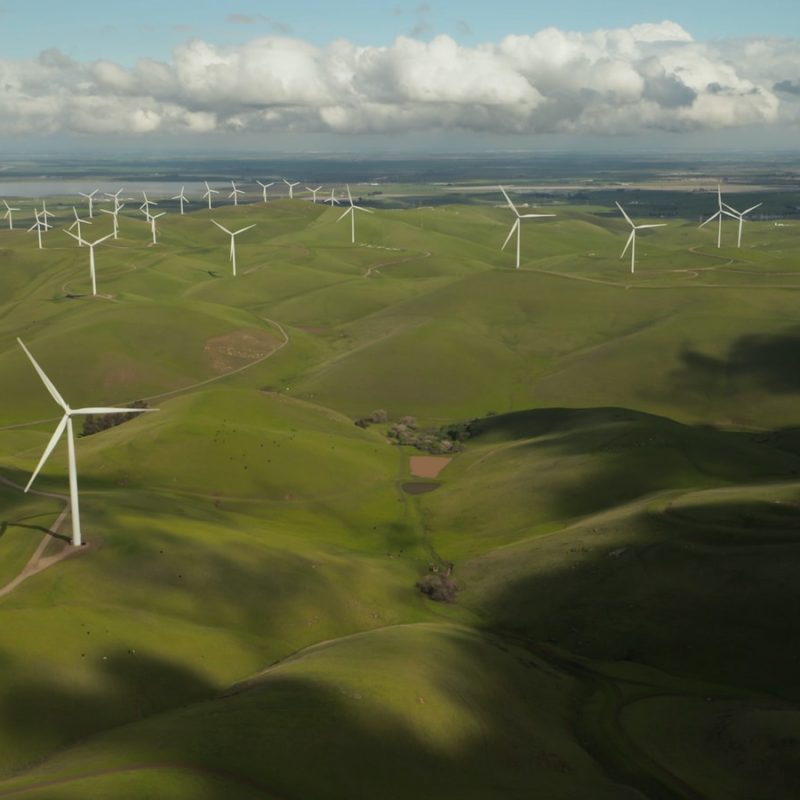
x=96 y=423
x=438 y=441
x=439 y=585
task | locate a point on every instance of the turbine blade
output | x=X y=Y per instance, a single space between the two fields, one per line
x=710 y=219
x=508 y=200
x=45 y=380
x=628 y=243
x=510 y=234
x=345 y=214
x=533 y=216
x=242 y=230
x=752 y=208
x=49 y=449
x=221 y=227
x=111 y=410
x=349 y=196
x=658 y=225
x=630 y=221
x=361 y=208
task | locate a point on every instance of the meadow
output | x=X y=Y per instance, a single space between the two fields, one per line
x=622 y=524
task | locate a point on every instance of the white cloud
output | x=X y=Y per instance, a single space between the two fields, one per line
x=648 y=77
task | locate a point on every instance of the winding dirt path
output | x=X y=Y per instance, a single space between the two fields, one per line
x=376 y=268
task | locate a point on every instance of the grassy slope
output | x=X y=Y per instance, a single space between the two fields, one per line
x=239 y=526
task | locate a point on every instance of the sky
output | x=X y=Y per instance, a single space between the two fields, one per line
x=349 y=74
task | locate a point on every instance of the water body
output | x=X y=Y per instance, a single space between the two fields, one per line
x=70 y=188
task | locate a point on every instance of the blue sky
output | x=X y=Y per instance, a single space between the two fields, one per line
x=125 y=31
x=321 y=74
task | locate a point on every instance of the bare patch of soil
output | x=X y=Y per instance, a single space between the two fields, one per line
x=234 y=349
x=428 y=466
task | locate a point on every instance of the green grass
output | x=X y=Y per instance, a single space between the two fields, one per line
x=622 y=527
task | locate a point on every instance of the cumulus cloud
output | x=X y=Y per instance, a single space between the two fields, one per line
x=652 y=76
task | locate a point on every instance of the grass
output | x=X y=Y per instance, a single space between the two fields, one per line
x=623 y=526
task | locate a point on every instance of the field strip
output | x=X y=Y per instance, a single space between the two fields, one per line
x=207 y=771
x=182 y=389
x=375 y=268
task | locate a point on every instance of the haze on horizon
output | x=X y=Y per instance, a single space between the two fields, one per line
x=429 y=77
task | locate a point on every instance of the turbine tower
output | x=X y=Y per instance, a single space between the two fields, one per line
x=235 y=194
x=90 y=198
x=313 y=193
x=352 y=212
x=264 y=187
x=151 y=218
x=632 y=238
x=91 y=246
x=9 y=215
x=740 y=215
x=233 y=235
x=183 y=198
x=517 y=226
x=66 y=424
x=78 y=222
x=209 y=191
x=721 y=210
x=291 y=187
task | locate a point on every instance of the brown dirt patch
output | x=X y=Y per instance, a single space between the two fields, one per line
x=428 y=466
x=237 y=348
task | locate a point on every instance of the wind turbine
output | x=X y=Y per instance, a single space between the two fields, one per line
x=740 y=215
x=145 y=206
x=332 y=199
x=115 y=197
x=78 y=222
x=352 y=211
x=91 y=246
x=151 y=218
x=90 y=198
x=264 y=187
x=46 y=213
x=235 y=194
x=632 y=238
x=313 y=193
x=66 y=424
x=718 y=215
x=114 y=214
x=182 y=197
x=291 y=187
x=517 y=226
x=39 y=226
x=233 y=235
x=209 y=191
x=9 y=215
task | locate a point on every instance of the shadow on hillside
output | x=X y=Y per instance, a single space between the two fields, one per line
x=706 y=591
x=587 y=460
x=771 y=360
x=46 y=715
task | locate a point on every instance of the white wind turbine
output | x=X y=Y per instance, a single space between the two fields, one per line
x=115 y=214
x=9 y=215
x=352 y=212
x=78 y=222
x=720 y=212
x=740 y=215
x=46 y=213
x=235 y=194
x=517 y=226
x=39 y=226
x=233 y=235
x=264 y=187
x=115 y=197
x=90 y=198
x=291 y=187
x=313 y=193
x=91 y=246
x=209 y=191
x=182 y=197
x=66 y=424
x=332 y=199
x=145 y=206
x=632 y=238
x=151 y=218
